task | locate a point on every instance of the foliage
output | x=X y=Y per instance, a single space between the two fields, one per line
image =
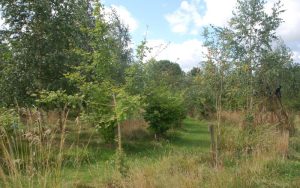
x=102 y=73
x=164 y=73
x=9 y=121
x=42 y=36
x=135 y=79
x=58 y=100
x=101 y=110
x=202 y=89
x=126 y=105
x=249 y=57
x=163 y=110
x=135 y=74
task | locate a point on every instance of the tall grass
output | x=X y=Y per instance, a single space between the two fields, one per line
x=31 y=156
x=254 y=157
x=38 y=156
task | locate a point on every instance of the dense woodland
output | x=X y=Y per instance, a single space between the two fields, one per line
x=73 y=59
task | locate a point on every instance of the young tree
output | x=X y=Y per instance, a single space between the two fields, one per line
x=135 y=73
x=100 y=76
x=249 y=37
x=253 y=33
x=163 y=109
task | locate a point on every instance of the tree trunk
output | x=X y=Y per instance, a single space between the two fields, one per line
x=119 y=127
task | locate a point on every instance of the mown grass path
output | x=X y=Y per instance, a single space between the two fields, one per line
x=193 y=137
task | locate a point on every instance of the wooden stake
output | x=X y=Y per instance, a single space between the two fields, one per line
x=213 y=144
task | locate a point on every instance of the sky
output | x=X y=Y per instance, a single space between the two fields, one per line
x=173 y=27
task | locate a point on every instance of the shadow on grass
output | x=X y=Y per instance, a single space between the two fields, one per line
x=199 y=144
x=151 y=149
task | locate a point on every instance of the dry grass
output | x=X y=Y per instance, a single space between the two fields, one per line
x=233 y=117
x=249 y=158
x=134 y=128
x=189 y=171
x=28 y=160
x=175 y=170
x=32 y=156
x=30 y=116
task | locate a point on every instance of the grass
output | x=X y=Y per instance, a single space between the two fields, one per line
x=182 y=159
x=193 y=138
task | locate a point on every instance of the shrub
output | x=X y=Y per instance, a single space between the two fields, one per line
x=163 y=110
x=108 y=131
x=8 y=120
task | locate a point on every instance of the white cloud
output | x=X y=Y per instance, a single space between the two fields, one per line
x=188 y=18
x=1 y=20
x=185 y=16
x=296 y=56
x=218 y=12
x=125 y=16
x=187 y=54
x=180 y=20
x=289 y=30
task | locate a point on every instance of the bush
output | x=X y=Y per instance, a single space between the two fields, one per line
x=163 y=110
x=107 y=132
x=8 y=120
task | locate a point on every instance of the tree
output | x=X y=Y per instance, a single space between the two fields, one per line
x=254 y=31
x=100 y=77
x=42 y=37
x=124 y=107
x=244 y=45
x=164 y=73
x=272 y=72
x=163 y=109
x=201 y=91
x=136 y=73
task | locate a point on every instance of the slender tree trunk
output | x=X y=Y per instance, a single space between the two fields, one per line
x=251 y=66
x=219 y=110
x=119 y=127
